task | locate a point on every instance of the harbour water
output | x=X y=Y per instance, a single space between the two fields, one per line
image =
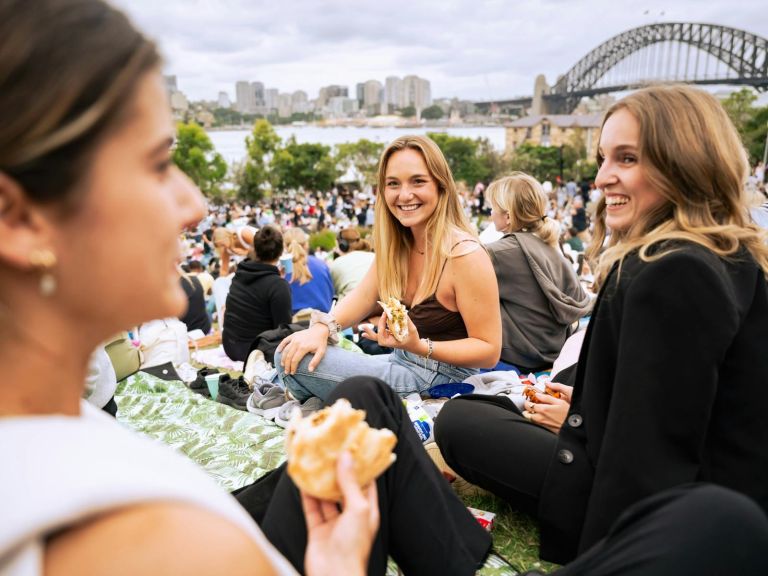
x=231 y=143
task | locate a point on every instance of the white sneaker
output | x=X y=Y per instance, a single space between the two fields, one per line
x=258 y=369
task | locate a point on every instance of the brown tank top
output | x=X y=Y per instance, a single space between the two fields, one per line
x=435 y=321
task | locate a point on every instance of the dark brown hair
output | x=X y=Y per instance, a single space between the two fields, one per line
x=267 y=244
x=68 y=73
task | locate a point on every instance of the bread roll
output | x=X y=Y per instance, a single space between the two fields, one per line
x=313 y=445
x=397 y=318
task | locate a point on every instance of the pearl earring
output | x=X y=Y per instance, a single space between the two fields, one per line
x=45 y=260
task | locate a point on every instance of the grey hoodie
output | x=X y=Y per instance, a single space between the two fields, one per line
x=540 y=297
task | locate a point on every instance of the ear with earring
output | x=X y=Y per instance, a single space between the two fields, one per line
x=44 y=260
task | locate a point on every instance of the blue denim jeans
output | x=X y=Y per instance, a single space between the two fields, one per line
x=403 y=371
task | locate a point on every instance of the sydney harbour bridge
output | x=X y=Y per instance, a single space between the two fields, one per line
x=686 y=52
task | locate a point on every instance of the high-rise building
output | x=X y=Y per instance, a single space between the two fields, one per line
x=332 y=91
x=417 y=92
x=340 y=106
x=258 y=93
x=372 y=92
x=245 y=99
x=393 y=92
x=300 y=102
x=284 y=106
x=223 y=100
x=360 y=92
x=270 y=98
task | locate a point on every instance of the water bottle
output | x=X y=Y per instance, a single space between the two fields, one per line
x=422 y=421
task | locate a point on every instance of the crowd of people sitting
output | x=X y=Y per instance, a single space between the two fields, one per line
x=646 y=452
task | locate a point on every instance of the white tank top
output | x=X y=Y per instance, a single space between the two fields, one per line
x=59 y=470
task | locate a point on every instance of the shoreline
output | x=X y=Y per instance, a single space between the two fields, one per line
x=240 y=127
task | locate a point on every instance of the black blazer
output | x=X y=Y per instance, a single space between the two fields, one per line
x=671 y=388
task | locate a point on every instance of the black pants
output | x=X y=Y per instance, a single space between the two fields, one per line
x=696 y=530
x=488 y=442
x=424 y=526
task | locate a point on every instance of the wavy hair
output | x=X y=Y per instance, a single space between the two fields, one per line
x=395 y=241
x=297 y=244
x=522 y=197
x=693 y=157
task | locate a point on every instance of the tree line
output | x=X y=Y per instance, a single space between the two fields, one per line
x=274 y=165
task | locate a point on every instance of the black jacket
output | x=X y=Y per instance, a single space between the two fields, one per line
x=196 y=316
x=259 y=300
x=671 y=388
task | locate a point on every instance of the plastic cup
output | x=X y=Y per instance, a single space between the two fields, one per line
x=212 y=381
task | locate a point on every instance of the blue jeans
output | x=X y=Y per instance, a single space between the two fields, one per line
x=403 y=371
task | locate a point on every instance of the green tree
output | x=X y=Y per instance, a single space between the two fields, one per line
x=195 y=155
x=739 y=106
x=261 y=145
x=362 y=155
x=756 y=135
x=464 y=157
x=751 y=121
x=543 y=162
x=227 y=117
x=307 y=166
x=433 y=112
x=408 y=112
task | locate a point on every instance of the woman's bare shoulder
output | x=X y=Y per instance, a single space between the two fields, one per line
x=463 y=243
x=162 y=538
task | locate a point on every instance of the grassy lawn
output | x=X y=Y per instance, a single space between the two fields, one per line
x=515 y=535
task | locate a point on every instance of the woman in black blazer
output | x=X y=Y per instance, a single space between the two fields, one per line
x=672 y=381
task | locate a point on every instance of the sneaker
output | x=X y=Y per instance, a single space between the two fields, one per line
x=257 y=369
x=268 y=406
x=233 y=392
x=258 y=393
x=199 y=385
x=459 y=485
x=285 y=413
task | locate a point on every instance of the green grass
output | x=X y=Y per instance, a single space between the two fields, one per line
x=515 y=535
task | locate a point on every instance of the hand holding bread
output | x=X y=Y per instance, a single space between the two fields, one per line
x=313 y=445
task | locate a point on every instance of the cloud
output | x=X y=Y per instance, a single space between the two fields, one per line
x=475 y=49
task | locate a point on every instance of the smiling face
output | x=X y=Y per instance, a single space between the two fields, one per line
x=118 y=252
x=411 y=192
x=622 y=177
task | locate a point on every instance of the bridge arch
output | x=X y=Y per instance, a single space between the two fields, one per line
x=741 y=51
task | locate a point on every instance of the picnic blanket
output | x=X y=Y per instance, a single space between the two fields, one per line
x=234 y=447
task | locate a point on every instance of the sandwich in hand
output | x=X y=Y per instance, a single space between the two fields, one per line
x=397 y=318
x=530 y=393
x=313 y=445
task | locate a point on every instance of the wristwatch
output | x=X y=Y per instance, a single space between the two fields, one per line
x=334 y=328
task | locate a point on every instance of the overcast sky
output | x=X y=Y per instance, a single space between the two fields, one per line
x=473 y=49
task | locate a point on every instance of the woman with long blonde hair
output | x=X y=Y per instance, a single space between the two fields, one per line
x=539 y=293
x=310 y=278
x=429 y=258
x=669 y=388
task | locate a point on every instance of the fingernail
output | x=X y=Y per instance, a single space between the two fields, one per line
x=345 y=458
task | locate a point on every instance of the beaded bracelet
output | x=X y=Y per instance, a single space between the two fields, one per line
x=430 y=349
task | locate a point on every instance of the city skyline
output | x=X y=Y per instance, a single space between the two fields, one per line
x=475 y=50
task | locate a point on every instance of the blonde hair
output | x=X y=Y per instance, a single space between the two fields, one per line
x=296 y=242
x=693 y=157
x=394 y=241
x=522 y=197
